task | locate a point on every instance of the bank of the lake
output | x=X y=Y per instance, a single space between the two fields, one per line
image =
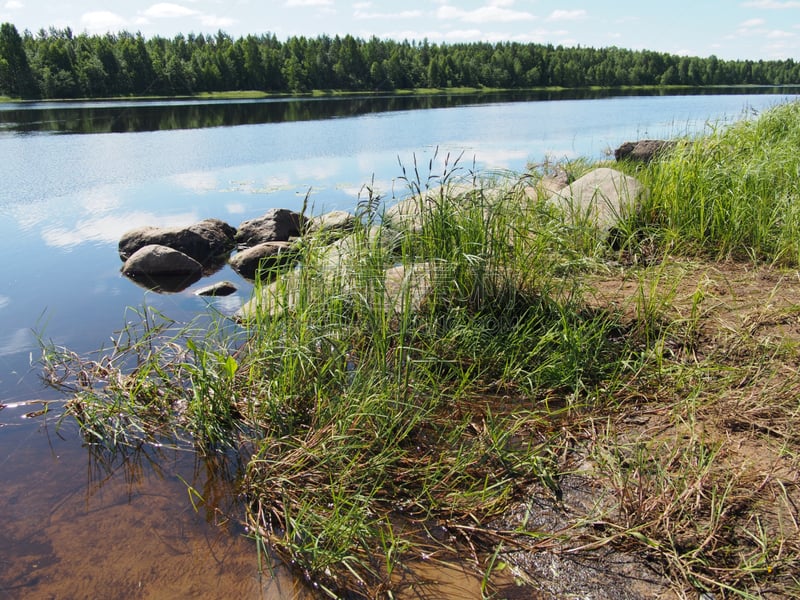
x=487 y=373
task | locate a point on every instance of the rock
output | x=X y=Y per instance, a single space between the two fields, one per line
x=204 y=241
x=266 y=256
x=642 y=151
x=276 y=225
x=335 y=222
x=221 y=288
x=410 y=286
x=602 y=197
x=410 y=214
x=402 y=287
x=547 y=185
x=156 y=260
x=273 y=300
x=339 y=252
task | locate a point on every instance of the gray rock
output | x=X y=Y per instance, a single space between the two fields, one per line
x=204 y=241
x=642 y=151
x=402 y=287
x=335 y=222
x=221 y=288
x=276 y=225
x=601 y=198
x=157 y=261
x=273 y=300
x=265 y=256
x=410 y=214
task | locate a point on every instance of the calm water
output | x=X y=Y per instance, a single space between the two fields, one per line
x=75 y=176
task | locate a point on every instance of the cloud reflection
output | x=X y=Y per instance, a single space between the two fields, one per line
x=110 y=228
x=21 y=340
x=197 y=181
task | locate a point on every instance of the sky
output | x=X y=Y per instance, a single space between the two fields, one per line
x=729 y=29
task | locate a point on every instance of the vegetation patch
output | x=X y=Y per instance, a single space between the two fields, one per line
x=544 y=405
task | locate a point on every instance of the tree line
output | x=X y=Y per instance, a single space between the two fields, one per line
x=56 y=63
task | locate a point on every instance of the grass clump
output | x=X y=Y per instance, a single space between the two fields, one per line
x=732 y=193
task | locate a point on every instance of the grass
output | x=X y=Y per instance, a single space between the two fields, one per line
x=384 y=420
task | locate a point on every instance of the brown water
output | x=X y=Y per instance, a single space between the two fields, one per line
x=148 y=524
x=76 y=524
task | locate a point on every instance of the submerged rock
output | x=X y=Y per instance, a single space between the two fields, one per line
x=204 y=241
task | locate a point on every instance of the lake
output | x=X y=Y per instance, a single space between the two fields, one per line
x=77 y=175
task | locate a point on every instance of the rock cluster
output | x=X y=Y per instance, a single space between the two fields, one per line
x=171 y=259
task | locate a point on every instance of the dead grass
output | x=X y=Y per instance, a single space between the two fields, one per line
x=691 y=483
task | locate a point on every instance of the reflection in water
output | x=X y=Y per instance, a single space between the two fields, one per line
x=122 y=117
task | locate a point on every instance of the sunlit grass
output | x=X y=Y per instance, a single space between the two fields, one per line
x=450 y=358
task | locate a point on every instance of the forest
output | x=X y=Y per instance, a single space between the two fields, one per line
x=56 y=63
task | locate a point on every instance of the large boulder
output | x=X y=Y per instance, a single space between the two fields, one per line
x=204 y=241
x=266 y=256
x=601 y=198
x=276 y=225
x=642 y=151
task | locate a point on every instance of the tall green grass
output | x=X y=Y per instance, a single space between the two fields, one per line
x=733 y=192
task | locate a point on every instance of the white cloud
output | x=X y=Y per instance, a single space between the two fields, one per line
x=753 y=23
x=236 y=208
x=293 y=3
x=110 y=228
x=215 y=22
x=167 y=10
x=19 y=341
x=197 y=181
x=771 y=4
x=493 y=12
x=102 y=21
x=567 y=15
x=13 y=5
x=778 y=34
x=406 y=14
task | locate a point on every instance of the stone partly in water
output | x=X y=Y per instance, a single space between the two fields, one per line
x=266 y=257
x=221 y=288
x=204 y=241
x=276 y=225
x=155 y=259
x=162 y=269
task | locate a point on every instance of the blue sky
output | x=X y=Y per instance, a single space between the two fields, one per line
x=755 y=29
